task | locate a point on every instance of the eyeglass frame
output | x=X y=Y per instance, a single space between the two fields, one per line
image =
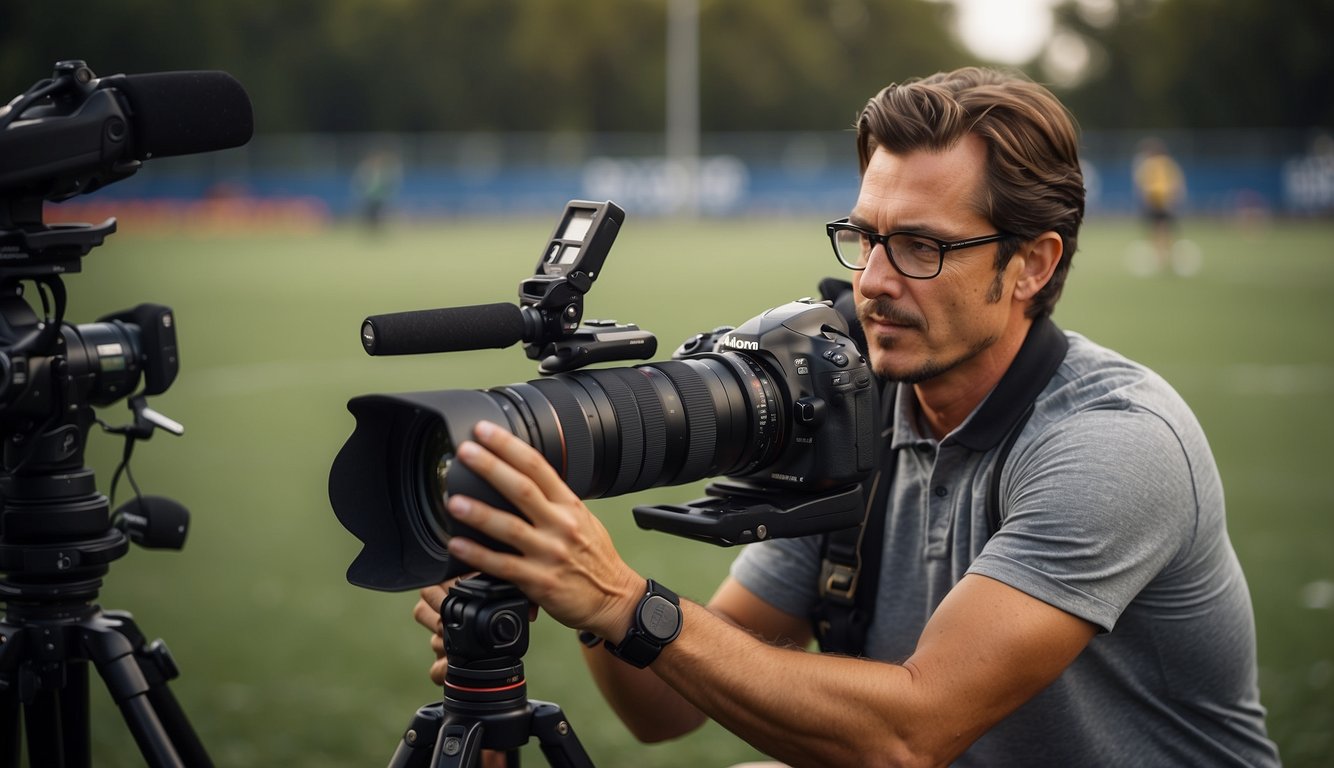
x=845 y=225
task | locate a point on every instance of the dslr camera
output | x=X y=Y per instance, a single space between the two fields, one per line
x=782 y=407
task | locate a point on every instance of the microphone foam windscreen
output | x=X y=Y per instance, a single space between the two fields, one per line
x=182 y=113
x=452 y=329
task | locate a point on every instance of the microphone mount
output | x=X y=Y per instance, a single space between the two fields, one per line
x=549 y=317
x=553 y=307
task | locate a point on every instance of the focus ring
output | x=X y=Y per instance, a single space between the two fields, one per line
x=701 y=419
x=631 y=429
x=654 y=424
x=578 y=441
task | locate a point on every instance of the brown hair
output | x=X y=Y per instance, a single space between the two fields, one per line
x=1033 y=182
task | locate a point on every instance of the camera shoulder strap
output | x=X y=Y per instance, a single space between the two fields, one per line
x=851 y=556
x=850 y=567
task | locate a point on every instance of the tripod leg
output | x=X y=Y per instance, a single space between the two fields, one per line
x=460 y=745
x=74 y=718
x=115 y=660
x=44 y=731
x=556 y=736
x=11 y=652
x=9 y=729
x=9 y=733
x=418 y=744
x=46 y=695
x=177 y=726
x=158 y=667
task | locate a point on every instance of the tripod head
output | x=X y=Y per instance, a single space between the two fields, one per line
x=486 y=705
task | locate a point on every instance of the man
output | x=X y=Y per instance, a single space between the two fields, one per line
x=1102 y=620
x=1161 y=187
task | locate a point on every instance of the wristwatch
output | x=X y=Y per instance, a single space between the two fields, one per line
x=657 y=622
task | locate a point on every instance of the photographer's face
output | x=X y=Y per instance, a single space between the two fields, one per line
x=921 y=330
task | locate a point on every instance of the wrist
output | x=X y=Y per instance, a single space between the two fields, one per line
x=656 y=622
x=619 y=614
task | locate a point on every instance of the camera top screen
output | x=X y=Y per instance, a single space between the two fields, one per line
x=581 y=239
x=577 y=224
x=569 y=239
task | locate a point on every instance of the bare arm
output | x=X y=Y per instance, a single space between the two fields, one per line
x=654 y=710
x=987 y=649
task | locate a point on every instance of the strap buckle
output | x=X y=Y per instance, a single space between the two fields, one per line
x=838 y=580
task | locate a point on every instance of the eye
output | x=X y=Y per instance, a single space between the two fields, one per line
x=919 y=247
x=913 y=246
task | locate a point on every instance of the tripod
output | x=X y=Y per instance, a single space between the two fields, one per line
x=485 y=704
x=56 y=544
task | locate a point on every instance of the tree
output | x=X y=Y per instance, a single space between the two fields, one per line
x=1199 y=64
x=598 y=65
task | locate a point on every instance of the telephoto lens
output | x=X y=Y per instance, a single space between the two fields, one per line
x=788 y=402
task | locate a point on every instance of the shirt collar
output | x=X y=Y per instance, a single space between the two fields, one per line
x=1038 y=358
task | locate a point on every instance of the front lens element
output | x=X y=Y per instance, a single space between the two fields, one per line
x=435 y=456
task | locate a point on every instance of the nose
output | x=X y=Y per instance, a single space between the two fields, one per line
x=880 y=278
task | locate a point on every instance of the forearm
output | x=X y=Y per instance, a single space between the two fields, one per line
x=803 y=708
x=650 y=708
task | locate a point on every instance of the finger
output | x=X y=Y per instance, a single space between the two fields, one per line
x=434 y=595
x=502 y=565
x=438 y=671
x=526 y=459
x=438 y=645
x=500 y=525
x=508 y=480
x=426 y=615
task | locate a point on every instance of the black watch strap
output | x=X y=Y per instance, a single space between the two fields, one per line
x=657 y=622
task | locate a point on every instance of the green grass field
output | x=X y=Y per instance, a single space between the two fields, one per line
x=285 y=664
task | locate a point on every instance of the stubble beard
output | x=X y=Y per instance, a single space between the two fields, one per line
x=885 y=310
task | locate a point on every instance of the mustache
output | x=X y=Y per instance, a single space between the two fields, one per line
x=885 y=310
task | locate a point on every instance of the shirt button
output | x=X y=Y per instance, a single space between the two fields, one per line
x=942 y=491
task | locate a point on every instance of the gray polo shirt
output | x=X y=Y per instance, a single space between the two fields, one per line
x=1112 y=510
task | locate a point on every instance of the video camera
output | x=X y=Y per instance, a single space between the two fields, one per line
x=783 y=405
x=67 y=135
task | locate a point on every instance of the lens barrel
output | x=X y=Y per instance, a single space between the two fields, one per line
x=621 y=430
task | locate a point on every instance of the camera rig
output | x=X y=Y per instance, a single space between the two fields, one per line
x=783 y=406
x=67 y=135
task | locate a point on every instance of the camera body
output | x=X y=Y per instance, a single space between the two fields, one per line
x=824 y=414
x=98 y=363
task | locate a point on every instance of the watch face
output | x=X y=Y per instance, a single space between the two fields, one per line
x=660 y=618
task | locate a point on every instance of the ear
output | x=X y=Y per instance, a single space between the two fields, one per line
x=1039 y=260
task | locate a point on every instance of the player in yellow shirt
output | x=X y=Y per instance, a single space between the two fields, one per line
x=1161 y=187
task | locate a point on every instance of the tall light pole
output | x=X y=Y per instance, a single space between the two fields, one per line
x=683 y=98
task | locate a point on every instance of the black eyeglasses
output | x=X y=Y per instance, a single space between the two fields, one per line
x=913 y=255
